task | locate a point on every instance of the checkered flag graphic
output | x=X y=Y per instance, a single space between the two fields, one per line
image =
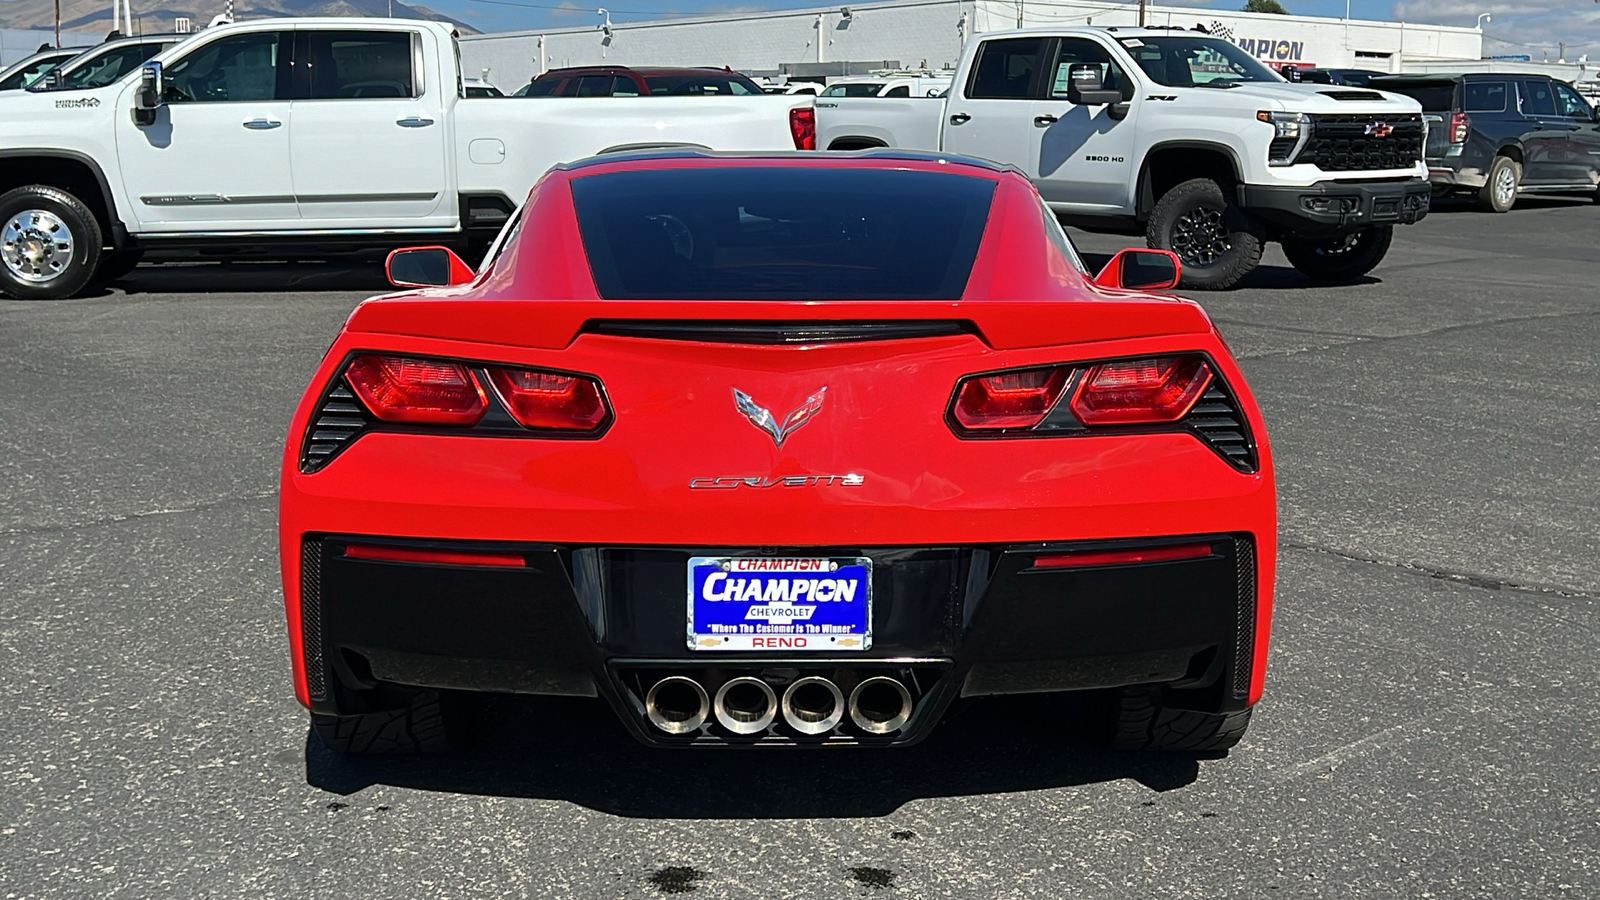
x=1222 y=31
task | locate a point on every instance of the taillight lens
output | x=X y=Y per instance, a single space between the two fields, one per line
x=1018 y=399
x=551 y=401
x=1460 y=127
x=1140 y=391
x=417 y=391
x=803 y=127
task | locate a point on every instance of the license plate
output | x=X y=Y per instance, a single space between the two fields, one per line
x=787 y=604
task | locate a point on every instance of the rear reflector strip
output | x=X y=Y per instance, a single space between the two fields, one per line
x=434 y=557
x=1121 y=557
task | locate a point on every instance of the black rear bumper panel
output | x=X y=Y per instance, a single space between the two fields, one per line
x=948 y=621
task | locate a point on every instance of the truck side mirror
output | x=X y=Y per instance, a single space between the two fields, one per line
x=1084 y=87
x=52 y=78
x=427 y=267
x=1137 y=269
x=151 y=94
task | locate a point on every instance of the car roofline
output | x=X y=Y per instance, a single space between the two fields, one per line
x=885 y=154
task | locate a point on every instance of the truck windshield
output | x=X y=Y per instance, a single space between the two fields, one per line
x=1195 y=61
x=107 y=68
x=780 y=233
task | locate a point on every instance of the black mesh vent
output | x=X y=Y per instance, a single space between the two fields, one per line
x=1352 y=95
x=1217 y=420
x=1344 y=144
x=335 y=423
x=311 y=618
x=1244 y=650
x=720 y=332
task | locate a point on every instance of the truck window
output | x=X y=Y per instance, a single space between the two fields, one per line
x=360 y=65
x=110 y=67
x=1537 y=99
x=1005 y=69
x=1571 y=103
x=853 y=90
x=903 y=90
x=235 y=69
x=1075 y=51
x=1483 y=96
x=1195 y=61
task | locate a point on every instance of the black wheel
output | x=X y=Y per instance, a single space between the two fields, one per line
x=1141 y=723
x=1499 y=192
x=430 y=723
x=116 y=263
x=1216 y=241
x=49 y=243
x=1342 y=258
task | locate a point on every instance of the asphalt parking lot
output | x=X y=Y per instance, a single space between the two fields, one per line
x=1429 y=728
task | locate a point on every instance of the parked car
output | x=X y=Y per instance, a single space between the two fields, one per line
x=795 y=87
x=213 y=145
x=104 y=63
x=1177 y=134
x=1350 y=77
x=562 y=475
x=473 y=88
x=1500 y=135
x=621 y=81
x=29 y=70
x=887 y=86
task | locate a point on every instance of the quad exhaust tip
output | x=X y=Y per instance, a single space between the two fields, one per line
x=813 y=705
x=677 y=705
x=880 y=705
x=745 y=705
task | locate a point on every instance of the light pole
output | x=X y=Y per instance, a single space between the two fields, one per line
x=1485 y=17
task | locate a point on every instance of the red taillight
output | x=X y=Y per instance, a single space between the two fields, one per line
x=433 y=557
x=550 y=400
x=1121 y=557
x=1460 y=127
x=803 y=127
x=417 y=391
x=1140 y=391
x=1009 y=399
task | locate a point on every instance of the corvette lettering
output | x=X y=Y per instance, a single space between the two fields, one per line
x=734 y=482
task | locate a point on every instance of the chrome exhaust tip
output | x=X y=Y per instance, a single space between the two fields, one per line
x=880 y=705
x=813 y=705
x=745 y=705
x=677 y=705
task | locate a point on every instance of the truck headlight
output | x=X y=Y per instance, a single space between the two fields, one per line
x=1291 y=131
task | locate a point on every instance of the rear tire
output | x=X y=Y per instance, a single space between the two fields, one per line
x=1344 y=258
x=1499 y=191
x=49 y=244
x=1218 y=244
x=1142 y=723
x=430 y=723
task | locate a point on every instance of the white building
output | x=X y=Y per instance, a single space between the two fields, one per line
x=930 y=33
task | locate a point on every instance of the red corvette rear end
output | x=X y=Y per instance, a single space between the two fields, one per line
x=778 y=451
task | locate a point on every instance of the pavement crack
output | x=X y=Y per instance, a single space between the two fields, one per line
x=1473 y=579
x=143 y=514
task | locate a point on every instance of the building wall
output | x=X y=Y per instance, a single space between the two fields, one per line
x=19 y=44
x=931 y=32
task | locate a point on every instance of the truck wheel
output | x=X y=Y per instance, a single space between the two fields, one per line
x=1344 y=258
x=49 y=243
x=1142 y=723
x=430 y=723
x=1499 y=191
x=1216 y=241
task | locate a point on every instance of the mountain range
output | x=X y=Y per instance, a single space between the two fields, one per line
x=160 y=15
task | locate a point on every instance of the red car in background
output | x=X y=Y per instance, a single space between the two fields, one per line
x=779 y=450
x=622 y=81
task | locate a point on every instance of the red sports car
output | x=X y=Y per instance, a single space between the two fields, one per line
x=778 y=450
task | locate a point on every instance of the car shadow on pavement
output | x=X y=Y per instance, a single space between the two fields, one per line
x=577 y=751
x=251 y=277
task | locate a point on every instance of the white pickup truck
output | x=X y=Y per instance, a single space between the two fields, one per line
x=1177 y=134
x=308 y=136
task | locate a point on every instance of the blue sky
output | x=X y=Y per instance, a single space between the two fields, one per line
x=1518 y=26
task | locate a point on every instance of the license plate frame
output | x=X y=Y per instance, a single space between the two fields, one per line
x=831 y=618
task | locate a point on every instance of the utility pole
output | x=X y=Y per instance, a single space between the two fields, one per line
x=58 y=23
x=1141 y=13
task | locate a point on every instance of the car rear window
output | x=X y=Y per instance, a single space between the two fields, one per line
x=781 y=233
x=1435 y=96
x=1483 y=96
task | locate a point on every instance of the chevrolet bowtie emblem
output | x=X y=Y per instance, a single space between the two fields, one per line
x=764 y=420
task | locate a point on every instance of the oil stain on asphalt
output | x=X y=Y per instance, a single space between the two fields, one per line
x=675 y=879
x=871 y=877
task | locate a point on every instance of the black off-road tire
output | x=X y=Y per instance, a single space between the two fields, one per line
x=1142 y=723
x=1491 y=199
x=430 y=724
x=1218 y=244
x=80 y=223
x=1344 y=258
